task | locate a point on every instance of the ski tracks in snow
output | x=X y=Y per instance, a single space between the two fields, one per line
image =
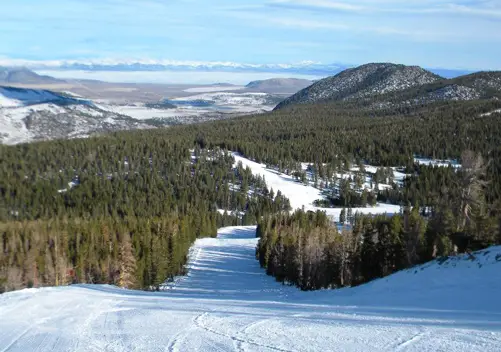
x=16 y=339
x=38 y=341
x=407 y=343
x=239 y=342
x=227 y=303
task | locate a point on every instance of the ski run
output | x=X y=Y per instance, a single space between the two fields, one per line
x=228 y=303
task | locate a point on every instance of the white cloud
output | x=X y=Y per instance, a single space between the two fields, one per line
x=481 y=8
x=163 y=63
x=302 y=23
x=323 y=4
x=351 y=26
x=427 y=32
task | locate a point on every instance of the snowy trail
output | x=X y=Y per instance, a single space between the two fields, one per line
x=301 y=195
x=227 y=303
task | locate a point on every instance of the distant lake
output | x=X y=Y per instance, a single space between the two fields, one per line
x=199 y=103
x=172 y=77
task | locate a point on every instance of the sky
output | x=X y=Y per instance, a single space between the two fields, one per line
x=459 y=34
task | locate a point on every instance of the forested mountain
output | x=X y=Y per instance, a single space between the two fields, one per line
x=125 y=207
x=362 y=82
x=475 y=86
x=120 y=210
x=379 y=86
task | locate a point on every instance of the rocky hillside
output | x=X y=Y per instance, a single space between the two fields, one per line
x=28 y=115
x=486 y=84
x=363 y=82
x=387 y=85
x=475 y=86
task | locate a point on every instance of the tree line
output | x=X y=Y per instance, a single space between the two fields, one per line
x=305 y=249
x=117 y=210
x=179 y=175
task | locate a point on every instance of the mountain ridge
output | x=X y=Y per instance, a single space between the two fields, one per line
x=386 y=84
x=24 y=75
x=36 y=114
x=304 y=67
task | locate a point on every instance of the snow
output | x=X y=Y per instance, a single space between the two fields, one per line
x=437 y=163
x=13 y=127
x=12 y=119
x=19 y=97
x=491 y=113
x=7 y=102
x=73 y=95
x=231 y=212
x=140 y=112
x=222 y=102
x=303 y=196
x=227 y=303
x=232 y=102
x=360 y=82
x=84 y=109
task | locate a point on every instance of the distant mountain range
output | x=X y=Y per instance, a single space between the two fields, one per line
x=382 y=85
x=28 y=113
x=300 y=68
x=32 y=106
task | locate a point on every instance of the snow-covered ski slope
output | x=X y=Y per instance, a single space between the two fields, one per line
x=301 y=195
x=227 y=303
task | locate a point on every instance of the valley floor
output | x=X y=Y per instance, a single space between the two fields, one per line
x=227 y=303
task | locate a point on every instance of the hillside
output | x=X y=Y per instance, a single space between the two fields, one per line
x=279 y=85
x=362 y=82
x=383 y=86
x=31 y=114
x=475 y=86
x=24 y=76
x=227 y=303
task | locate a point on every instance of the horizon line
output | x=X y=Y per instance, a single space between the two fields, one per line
x=142 y=64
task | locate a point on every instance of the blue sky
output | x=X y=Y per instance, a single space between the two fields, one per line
x=438 y=33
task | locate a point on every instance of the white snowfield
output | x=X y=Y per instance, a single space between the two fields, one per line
x=303 y=196
x=227 y=303
x=237 y=102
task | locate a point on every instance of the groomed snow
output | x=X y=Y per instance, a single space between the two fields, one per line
x=304 y=196
x=227 y=303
